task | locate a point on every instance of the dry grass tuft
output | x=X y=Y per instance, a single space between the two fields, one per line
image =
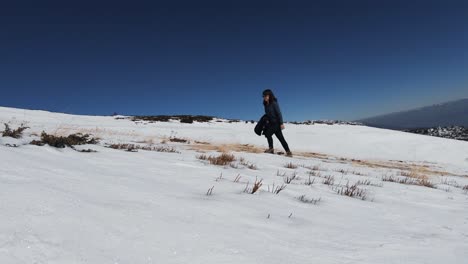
x=420 y=181
x=425 y=182
x=237 y=179
x=363 y=182
x=256 y=186
x=369 y=183
x=329 y=180
x=247 y=164
x=304 y=199
x=449 y=182
x=310 y=181
x=315 y=173
x=290 y=165
x=352 y=191
x=14 y=133
x=279 y=174
x=210 y=191
x=409 y=174
x=290 y=179
x=276 y=189
x=222 y=160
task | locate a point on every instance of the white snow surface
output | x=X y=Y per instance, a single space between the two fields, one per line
x=115 y=206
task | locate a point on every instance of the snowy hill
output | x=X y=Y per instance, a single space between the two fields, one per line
x=351 y=194
x=454 y=113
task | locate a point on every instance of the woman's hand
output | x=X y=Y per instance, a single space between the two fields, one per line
x=282 y=126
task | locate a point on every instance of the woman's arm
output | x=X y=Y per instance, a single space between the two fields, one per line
x=278 y=112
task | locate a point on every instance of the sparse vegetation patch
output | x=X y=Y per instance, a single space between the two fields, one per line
x=247 y=164
x=14 y=133
x=352 y=191
x=304 y=199
x=421 y=181
x=291 y=178
x=290 y=165
x=276 y=189
x=221 y=160
x=135 y=148
x=256 y=186
x=62 y=142
x=329 y=180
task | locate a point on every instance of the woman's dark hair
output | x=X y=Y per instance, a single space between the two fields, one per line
x=271 y=94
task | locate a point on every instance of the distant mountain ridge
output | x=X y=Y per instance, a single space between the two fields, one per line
x=453 y=113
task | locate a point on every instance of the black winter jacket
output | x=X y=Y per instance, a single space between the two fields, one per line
x=265 y=127
x=260 y=127
x=273 y=112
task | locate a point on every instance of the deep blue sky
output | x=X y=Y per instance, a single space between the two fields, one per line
x=324 y=59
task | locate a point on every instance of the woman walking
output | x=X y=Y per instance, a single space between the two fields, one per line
x=274 y=122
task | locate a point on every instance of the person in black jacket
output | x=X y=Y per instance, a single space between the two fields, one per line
x=274 y=122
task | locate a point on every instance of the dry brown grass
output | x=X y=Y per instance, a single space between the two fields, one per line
x=420 y=180
x=397 y=165
x=222 y=160
x=206 y=146
x=14 y=133
x=406 y=168
x=425 y=182
x=290 y=165
x=312 y=155
x=98 y=132
x=256 y=186
x=247 y=164
x=227 y=148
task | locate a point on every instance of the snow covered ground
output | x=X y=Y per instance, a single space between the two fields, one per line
x=115 y=206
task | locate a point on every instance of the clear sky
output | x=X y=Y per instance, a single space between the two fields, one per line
x=323 y=59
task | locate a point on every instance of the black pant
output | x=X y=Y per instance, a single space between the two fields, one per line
x=279 y=135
